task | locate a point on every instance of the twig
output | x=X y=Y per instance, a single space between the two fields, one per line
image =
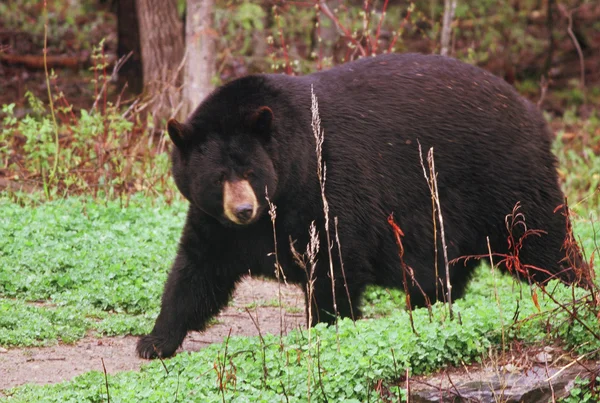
x=543 y=90
x=286 y=57
x=221 y=371
x=493 y=268
x=433 y=187
x=339 y=246
x=398 y=234
x=407 y=386
x=375 y=43
x=569 y=15
x=262 y=343
x=319 y=370
x=325 y=9
x=116 y=69
x=161 y=359
x=569 y=365
x=398 y=377
x=105 y=380
x=50 y=102
x=398 y=32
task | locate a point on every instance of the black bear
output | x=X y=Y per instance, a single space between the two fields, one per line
x=253 y=136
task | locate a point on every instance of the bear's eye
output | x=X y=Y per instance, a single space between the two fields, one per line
x=249 y=173
x=220 y=179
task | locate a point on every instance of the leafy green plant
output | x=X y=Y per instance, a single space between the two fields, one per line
x=102 y=151
x=65 y=20
x=85 y=260
x=71 y=266
x=584 y=391
x=578 y=151
x=378 y=301
x=372 y=352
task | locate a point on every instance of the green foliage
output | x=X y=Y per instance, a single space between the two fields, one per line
x=38 y=131
x=104 y=149
x=23 y=324
x=73 y=24
x=101 y=267
x=107 y=261
x=584 y=391
x=579 y=160
x=378 y=301
x=369 y=351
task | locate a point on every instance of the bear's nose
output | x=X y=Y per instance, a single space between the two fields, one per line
x=243 y=212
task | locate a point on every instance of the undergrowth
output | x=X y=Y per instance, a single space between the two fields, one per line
x=74 y=265
x=98 y=262
x=584 y=391
x=373 y=356
x=85 y=265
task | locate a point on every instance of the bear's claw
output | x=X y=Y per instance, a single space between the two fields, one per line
x=150 y=347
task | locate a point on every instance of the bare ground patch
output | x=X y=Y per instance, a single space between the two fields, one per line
x=43 y=365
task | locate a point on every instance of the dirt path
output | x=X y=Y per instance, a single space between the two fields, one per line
x=62 y=362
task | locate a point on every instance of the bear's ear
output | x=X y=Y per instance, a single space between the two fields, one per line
x=177 y=132
x=260 y=121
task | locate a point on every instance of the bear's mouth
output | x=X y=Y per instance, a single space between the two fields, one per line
x=240 y=205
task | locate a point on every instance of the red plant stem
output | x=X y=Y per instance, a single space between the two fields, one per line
x=366 y=22
x=378 y=33
x=319 y=39
x=398 y=234
x=105 y=94
x=395 y=39
x=286 y=57
x=95 y=78
x=325 y=9
x=105 y=77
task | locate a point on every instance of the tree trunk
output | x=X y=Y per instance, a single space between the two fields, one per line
x=449 y=7
x=200 y=53
x=162 y=48
x=128 y=38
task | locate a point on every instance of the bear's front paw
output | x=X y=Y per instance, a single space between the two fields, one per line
x=151 y=346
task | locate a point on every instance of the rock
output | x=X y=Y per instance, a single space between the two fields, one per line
x=543 y=357
x=488 y=386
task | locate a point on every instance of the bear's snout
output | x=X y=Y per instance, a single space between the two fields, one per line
x=244 y=212
x=239 y=202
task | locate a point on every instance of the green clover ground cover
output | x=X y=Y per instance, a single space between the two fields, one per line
x=88 y=265
x=73 y=265
x=369 y=351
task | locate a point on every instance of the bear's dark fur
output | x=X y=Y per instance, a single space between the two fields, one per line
x=491 y=149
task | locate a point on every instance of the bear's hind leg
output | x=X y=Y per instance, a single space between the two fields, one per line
x=428 y=293
x=347 y=301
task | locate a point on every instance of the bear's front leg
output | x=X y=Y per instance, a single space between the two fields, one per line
x=194 y=293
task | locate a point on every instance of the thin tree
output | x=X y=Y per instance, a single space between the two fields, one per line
x=449 y=7
x=200 y=53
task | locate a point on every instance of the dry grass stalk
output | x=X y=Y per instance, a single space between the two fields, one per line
x=279 y=274
x=431 y=179
x=339 y=246
x=493 y=269
x=398 y=234
x=308 y=262
x=322 y=174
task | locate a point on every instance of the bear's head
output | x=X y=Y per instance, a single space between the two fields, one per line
x=223 y=162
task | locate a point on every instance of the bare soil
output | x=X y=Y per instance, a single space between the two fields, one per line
x=43 y=365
